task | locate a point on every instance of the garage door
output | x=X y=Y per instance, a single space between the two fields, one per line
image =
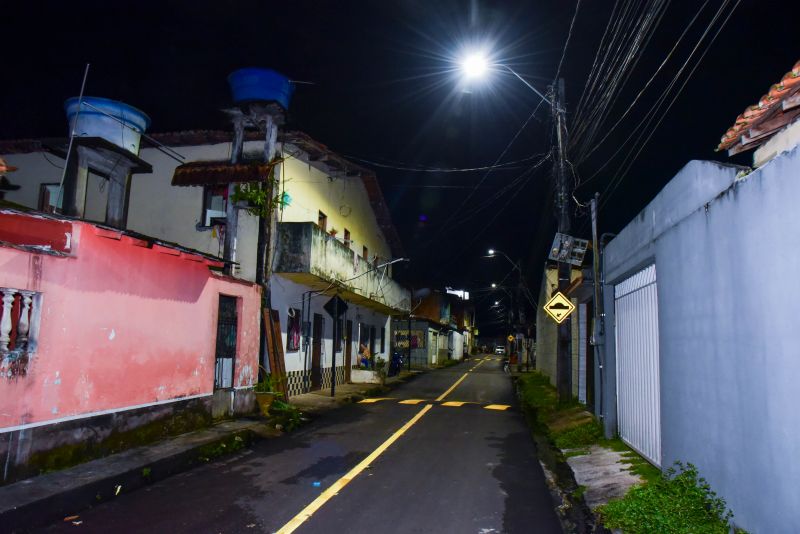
x=638 y=393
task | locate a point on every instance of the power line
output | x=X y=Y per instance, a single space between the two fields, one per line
x=569 y=35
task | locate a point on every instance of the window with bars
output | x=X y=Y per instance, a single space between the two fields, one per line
x=19 y=329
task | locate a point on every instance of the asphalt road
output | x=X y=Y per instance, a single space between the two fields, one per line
x=460 y=469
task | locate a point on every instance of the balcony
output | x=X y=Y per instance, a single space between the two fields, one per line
x=307 y=255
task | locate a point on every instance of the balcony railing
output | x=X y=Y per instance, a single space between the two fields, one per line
x=306 y=254
x=19 y=326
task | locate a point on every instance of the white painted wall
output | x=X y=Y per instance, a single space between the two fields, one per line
x=288 y=294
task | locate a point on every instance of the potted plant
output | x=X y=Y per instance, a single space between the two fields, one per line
x=333 y=232
x=265 y=392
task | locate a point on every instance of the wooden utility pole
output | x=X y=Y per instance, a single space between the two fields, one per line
x=563 y=356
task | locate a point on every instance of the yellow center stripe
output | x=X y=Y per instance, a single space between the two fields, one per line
x=497 y=407
x=454 y=386
x=457 y=404
x=412 y=401
x=337 y=486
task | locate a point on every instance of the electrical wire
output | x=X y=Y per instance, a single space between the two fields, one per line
x=566 y=43
x=402 y=167
x=675 y=97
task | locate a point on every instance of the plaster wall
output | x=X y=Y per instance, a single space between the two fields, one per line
x=727 y=329
x=343 y=199
x=156 y=207
x=103 y=344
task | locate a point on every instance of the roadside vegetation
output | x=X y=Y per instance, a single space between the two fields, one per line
x=678 y=501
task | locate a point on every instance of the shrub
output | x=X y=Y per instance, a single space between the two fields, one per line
x=678 y=502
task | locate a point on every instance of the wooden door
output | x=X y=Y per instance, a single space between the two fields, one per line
x=316 y=352
x=348 y=350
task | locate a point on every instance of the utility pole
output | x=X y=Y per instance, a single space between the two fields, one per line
x=563 y=356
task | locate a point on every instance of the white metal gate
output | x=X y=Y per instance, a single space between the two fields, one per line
x=638 y=392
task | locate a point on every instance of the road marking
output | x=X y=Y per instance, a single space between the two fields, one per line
x=374 y=399
x=454 y=386
x=337 y=486
x=497 y=407
x=457 y=404
x=412 y=401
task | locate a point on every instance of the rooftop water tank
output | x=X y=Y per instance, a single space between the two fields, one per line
x=260 y=85
x=93 y=123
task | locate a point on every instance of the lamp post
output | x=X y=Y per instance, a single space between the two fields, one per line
x=477 y=65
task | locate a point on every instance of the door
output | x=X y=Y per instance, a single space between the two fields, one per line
x=636 y=334
x=316 y=352
x=348 y=350
x=226 y=342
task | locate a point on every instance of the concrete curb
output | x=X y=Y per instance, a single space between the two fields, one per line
x=50 y=497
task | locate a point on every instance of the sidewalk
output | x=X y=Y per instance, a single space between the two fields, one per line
x=54 y=496
x=321 y=400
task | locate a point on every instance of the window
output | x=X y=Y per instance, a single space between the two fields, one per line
x=322 y=222
x=347 y=238
x=293 y=330
x=365 y=253
x=227 y=320
x=49 y=200
x=19 y=329
x=383 y=339
x=215 y=205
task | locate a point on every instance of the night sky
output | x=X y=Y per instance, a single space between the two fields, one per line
x=384 y=90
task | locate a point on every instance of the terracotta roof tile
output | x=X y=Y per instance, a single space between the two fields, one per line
x=770 y=109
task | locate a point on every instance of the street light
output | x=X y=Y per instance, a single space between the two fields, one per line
x=474 y=65
x=555 y=102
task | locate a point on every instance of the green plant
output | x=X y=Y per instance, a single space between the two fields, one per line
x=579 y=436
x=268 y=384
x=677 y=502
x=287 y=415
x=146 y=472
x=260 y=197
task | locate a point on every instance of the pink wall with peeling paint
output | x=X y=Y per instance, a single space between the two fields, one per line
x=121 y=325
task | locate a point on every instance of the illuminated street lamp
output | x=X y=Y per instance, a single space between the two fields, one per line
x=479 y=66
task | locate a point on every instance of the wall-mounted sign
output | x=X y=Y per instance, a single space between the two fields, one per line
x=559 y=307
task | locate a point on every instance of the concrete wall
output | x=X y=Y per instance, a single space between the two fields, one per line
x=102 y=345
x=304 y=249
x=724 y=251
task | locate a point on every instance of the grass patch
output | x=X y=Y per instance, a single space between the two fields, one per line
x=448 y=363
x=677 y=502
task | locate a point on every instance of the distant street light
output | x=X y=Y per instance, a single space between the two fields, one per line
x=494 y=285
x=497 y=303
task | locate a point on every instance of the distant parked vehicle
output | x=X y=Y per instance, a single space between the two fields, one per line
x=499 y=349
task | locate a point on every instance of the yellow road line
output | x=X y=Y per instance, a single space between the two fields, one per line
x=373 y=400
x=454 y=386
x=497 y=407
x=457 y=404
x=411 y=401
x=337 y=486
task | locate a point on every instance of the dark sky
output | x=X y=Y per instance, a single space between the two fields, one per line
x=384 y=90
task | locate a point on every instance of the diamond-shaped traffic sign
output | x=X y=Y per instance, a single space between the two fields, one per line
x=559 y=307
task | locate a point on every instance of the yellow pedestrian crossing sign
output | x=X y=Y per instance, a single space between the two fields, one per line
x=559 y=307
x=510 y=338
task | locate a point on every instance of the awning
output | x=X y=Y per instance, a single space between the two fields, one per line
x=220 y=173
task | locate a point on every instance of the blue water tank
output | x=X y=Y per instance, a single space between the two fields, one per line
x=93 y=123
x=260 y=85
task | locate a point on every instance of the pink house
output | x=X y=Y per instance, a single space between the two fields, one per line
x=105 y=334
